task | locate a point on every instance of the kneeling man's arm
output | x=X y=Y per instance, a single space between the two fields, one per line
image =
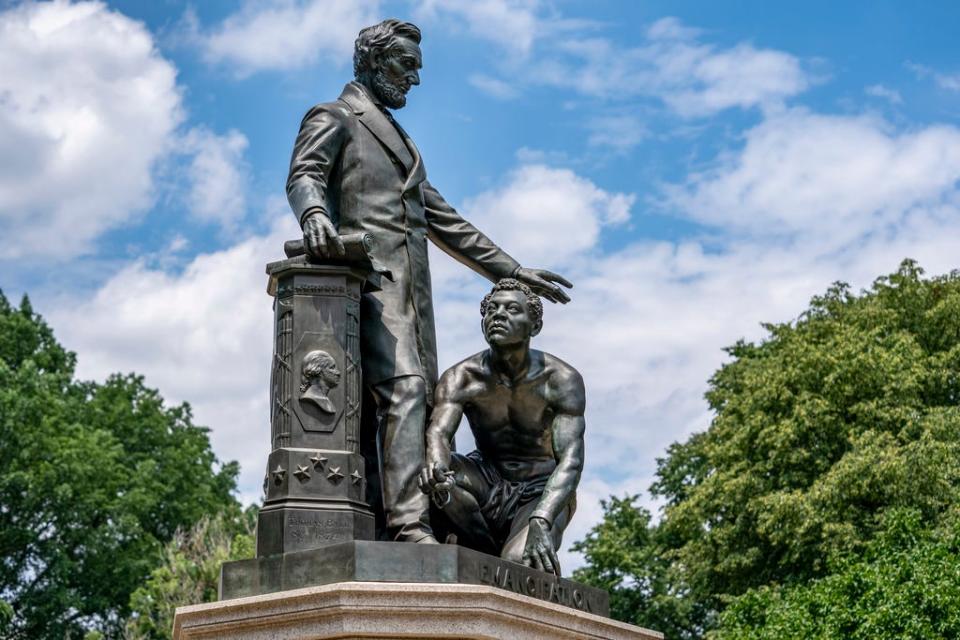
x=568 y=428
x=436 y=479
x=447 y=411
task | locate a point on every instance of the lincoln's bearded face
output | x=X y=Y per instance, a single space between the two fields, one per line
x=391 y=93
x=387 y=60
x=395 y=71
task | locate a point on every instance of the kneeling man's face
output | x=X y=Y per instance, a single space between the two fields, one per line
x=507 y=320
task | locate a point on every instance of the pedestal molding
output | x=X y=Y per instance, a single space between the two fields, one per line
x=396 y=610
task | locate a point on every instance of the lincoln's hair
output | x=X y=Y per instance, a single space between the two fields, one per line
x=314 y=364
x=534 y=306
x=380 y=37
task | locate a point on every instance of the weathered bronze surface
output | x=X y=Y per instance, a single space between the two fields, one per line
x=397 y=562
x=354 y=376
x=315 y=485
x=355 y=170
x=515 y=494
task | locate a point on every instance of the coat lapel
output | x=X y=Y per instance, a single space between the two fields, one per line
x=417 y=174
x=376 y=122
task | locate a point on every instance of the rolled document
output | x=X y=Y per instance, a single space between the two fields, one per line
x=359 y=248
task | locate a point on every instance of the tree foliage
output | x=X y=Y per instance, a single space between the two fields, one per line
x=94 y=479
x=625 y=557
x=905 y=585
x=189 y=572
x=820 y=433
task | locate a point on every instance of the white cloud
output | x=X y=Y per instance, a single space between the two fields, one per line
x=948 y=81
x=880 y=91
x=217 y=175
x=619 y=132
x=288 y=34
x=493 y=86
x=834 y=177
x=87 y=107
x=671 y=64
x=512 y=24
x=547 y=212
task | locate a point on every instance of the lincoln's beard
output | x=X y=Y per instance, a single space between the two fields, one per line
x=387 y=92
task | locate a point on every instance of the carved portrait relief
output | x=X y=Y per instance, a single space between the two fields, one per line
x=319 y=374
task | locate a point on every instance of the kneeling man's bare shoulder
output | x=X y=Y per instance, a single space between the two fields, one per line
x=462 y=380
x=565 y=386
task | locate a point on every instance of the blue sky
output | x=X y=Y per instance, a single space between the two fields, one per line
x=695 y=167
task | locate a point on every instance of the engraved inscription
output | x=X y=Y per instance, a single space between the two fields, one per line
x=317 y=528
x=286 y=289
x=535 y=584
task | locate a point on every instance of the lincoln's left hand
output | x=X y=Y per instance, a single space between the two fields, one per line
x=542 y=282
x=538 y=552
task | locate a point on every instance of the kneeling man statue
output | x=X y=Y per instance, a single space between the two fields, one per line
x=516 y=493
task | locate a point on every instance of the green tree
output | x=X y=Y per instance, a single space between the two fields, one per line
x=625 y=557
x=820 y=431
x=189 y=572
x=94 y=479
x=905 y=585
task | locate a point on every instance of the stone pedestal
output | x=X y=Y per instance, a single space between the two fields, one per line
x=435 y=564
x=315 y=480
x=360 y=610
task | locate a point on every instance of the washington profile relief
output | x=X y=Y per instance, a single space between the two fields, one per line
x=320 y=374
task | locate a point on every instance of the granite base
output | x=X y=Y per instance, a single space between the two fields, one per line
x=366 y=610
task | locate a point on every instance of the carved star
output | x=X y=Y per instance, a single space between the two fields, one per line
x=356 y=477
x=318 y=460
x=278 y=474
x=302 y=472
x=334 y=475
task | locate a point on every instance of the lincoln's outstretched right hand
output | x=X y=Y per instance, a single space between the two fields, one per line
x=320 y=237
x=545 y=283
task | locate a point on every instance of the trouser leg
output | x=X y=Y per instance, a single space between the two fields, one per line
x=469 y=490
x=370 y=449
x=402 y=414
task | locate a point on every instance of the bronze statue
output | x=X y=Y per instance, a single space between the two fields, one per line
x=516 y=493
x=355 y=170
